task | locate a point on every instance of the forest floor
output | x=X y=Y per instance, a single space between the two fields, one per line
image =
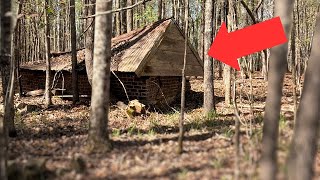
x=145 y=147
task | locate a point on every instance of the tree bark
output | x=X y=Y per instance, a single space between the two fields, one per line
x=129 y=16
x=123 y=14
x=227 y=69
x=304 y=143
x=48 y=101
x=90 y=40
x=98 y=139
x=117 y=16
x=5 y=53
x=3 y=148
x=7 y=67
x=75 y=90
x=159 y=9
x=183 y=86
x=278 y=67
x=17 y=54
x=293 y=68
x=164 y=15
x=208 y=62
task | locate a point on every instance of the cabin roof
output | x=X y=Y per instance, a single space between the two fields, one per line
x=144 y=51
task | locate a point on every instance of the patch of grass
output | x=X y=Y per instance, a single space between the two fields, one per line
x=19 y=121
x=210 y=123
x=151 y=132
x=183 y=173
x=173 y=117
x=227 y=132
x=155 y=126
x=211 y=115
x=282 y=121
x=195 y=124
x=133 y=130
x=116 y=132
x=218 y=163
x=139 y=134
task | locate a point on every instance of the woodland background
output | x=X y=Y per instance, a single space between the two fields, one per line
x=239 y=124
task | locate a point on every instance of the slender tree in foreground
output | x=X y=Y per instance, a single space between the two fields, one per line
x=89 y=39
x=5 y=53
x=183 y=86
x=208 y=103
x=7 y=67
x=304 y=142
x=98 y=139
x=75 y=90
x=48 y=101
x=278 y=67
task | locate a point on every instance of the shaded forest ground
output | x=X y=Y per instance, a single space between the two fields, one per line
x=145 y=147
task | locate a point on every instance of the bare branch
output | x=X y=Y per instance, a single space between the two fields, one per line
x=258 y=6
x=117 y=10
x=254 y=20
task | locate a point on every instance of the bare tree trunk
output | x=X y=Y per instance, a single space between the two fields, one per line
x=227 y=84
x=90 y=40
x=208 y=62
x=48 y=63
x=3 y=148
x=129 y=16
x=175 y=9
x=293 y=67
x=123 y=18
x=278 y=67
x=164 y=15
x=7 y=66
x=237 y=130
x=9 y=111
x=159 y=9
x=117 y=16
x=227 y=69
x=98 y=139
x=75 y=90
x=17 y=55
x=201 y=34
x=5 y=53
x=183 y=87
x=304 y=143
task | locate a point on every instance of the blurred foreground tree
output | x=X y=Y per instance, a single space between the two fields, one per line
x=304 y=142
x=278 y=67
x=98 y=139
x=7 y=74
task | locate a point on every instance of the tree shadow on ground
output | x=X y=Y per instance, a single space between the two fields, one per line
x=214 y=126
x=172 y=173
x=53 y=129
x=194 y=100
x=117 y=144
x=210 y=124
x=256 y=98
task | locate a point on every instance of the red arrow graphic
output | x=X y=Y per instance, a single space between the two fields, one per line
x=228 y=47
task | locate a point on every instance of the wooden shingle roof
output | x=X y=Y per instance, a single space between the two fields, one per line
x=154 y=50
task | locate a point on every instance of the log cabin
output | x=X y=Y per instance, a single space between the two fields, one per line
x=148 y=61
